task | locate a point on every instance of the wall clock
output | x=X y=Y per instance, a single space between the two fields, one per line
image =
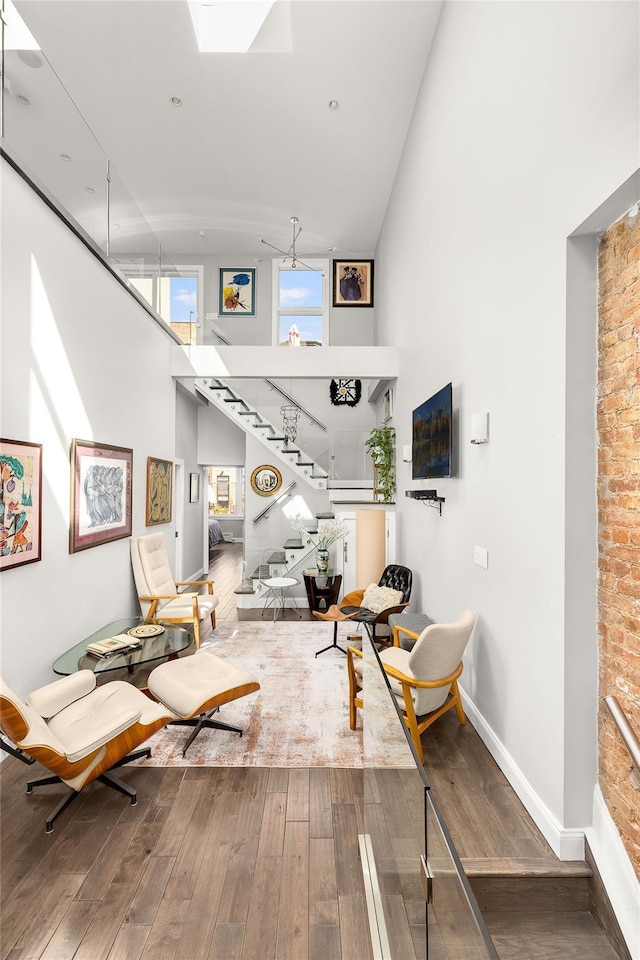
x=345 y=392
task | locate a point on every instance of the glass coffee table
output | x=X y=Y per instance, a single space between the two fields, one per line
x=165 y=646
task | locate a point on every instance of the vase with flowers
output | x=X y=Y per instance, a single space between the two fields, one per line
x=328 y=532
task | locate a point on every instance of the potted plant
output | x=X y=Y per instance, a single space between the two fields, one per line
x=381 y=444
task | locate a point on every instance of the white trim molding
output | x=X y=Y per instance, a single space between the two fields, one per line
x=567 y=844
x=616 y=871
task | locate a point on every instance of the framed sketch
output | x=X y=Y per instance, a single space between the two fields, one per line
x=159 y=491
x=237 y=292
x=20 y=503
x=387 y=405
x=266 y=480
x=100 y=494
x=353 y=283
x=194 y=487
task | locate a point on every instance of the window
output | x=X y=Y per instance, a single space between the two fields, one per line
x=300 y=297
x=175 y=296
x=225 y=487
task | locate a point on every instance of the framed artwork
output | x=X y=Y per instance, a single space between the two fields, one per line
x=353 y=283
x=266 y=480
x=237 y=292
x=387 y=405
x=345 y=393
x=20 y=503
x=159 y=491
x=100 y=494
x=194 y=487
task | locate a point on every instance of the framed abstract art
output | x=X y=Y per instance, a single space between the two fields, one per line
x=159 y=491
x=20 y=503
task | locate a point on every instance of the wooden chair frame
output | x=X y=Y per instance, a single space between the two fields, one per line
x=194 y=619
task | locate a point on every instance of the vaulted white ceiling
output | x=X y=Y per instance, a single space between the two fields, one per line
x=254 y=140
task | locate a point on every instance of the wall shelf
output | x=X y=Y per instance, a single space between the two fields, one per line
x=430 y=497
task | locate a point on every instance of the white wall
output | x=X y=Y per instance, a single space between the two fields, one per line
x=527 y=120
x=80 y=359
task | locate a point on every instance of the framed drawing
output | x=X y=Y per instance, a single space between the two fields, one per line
x=266 y=480
x=194 y=487
x=159 y=491
x=353 y=283
x=100 y=494
x=237 y=292
x=387 y=405
x=20 y=503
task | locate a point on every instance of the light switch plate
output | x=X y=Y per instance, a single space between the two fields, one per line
x=481 y=557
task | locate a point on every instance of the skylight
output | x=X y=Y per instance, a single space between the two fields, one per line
x=228 y=26
x=17 y=35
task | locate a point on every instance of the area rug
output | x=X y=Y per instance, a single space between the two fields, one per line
x=298 y=718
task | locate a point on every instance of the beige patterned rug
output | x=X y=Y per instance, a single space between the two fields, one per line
x=298 y=718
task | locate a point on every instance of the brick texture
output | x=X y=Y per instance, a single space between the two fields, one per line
x=619 y=518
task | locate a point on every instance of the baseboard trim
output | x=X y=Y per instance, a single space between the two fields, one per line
x=616 y=871
x=567 y=844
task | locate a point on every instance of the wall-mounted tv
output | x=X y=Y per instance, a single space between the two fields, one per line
x=431 y=447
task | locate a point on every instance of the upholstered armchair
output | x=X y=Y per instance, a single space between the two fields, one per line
x=80 y=732
x=158 y=591
x=424 y=680
x=373 y=606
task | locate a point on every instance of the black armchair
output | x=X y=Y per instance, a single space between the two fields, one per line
x=395 y=577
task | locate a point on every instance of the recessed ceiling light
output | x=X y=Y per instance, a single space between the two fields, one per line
x=89 y=189
x=65 y=157
x=333 y=104
x=176 y=101
x=22 y=99
x=201 y=234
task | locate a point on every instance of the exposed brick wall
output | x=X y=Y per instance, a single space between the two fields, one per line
x=619 y=518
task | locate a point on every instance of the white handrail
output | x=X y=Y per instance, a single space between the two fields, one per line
x=626 y=732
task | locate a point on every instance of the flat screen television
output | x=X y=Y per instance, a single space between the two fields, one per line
x=431 y=446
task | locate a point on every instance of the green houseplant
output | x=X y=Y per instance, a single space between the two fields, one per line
x=381 y=444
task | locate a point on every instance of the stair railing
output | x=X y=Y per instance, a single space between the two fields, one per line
x=285 y=493
x=625 y=729
x=278 y=389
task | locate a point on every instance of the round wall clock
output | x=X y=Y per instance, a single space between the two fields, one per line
x=345 y=392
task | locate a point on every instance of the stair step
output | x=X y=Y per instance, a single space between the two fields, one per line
x=248 y=413
x=276 y=437
x=246 y=587
x=325 y=516
x=539 y=886
x=293 y=544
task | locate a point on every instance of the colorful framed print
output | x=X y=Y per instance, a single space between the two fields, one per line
x=20 y=503
x=194 y=487
x=353 y=283
x=100 y=494
x=237 y=292
x=159 y=491
x=387 y=405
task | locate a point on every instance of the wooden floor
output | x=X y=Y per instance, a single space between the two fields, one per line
x=255 y=864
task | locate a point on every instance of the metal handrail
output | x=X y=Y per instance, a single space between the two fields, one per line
x=276 y=387
x=285 y=493
x=626 y=732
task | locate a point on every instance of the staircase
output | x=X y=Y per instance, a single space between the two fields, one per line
x=537 y=911
x=236 y=408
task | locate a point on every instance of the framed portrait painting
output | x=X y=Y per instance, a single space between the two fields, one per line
x=100 y=494
x=159 y=491
x=353 y=283
x=20 y=503
x=237 y=292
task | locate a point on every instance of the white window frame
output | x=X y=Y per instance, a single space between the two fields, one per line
x=319 y=266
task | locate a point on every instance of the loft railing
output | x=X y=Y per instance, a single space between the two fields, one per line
x=625 y=729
